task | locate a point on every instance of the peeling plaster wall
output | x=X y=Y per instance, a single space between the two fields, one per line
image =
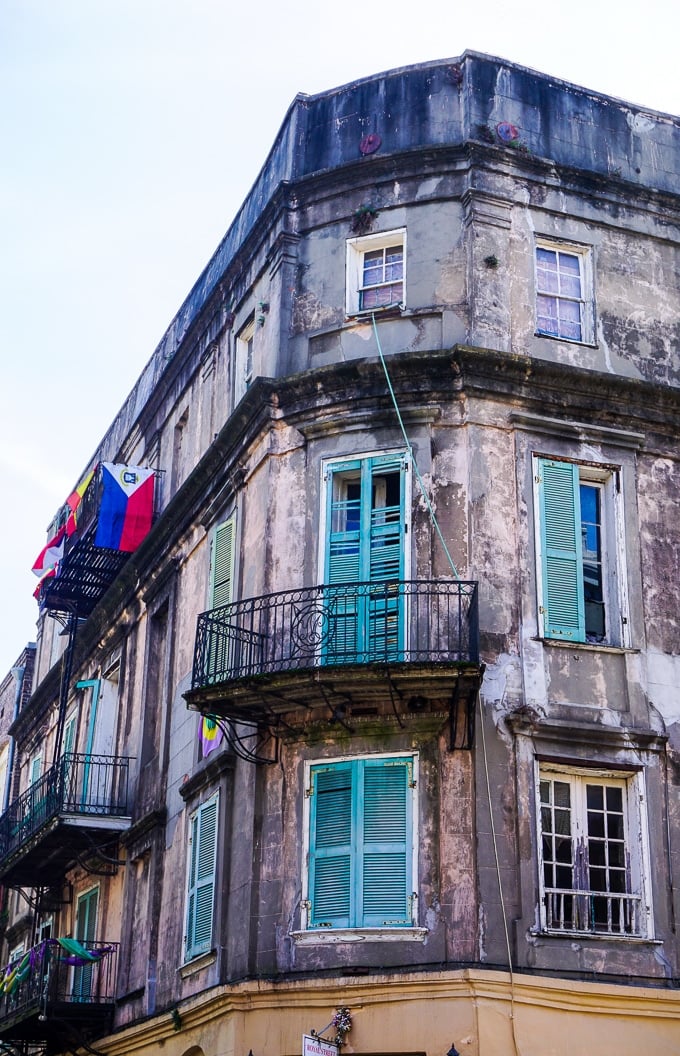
x=583 y=169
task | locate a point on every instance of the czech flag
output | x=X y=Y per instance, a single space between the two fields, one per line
x=126 y=507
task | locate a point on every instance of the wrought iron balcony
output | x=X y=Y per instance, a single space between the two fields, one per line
x=61 y=993
x=77 y=805
x=271 y=653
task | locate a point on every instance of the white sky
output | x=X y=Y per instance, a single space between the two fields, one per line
x=130 y=132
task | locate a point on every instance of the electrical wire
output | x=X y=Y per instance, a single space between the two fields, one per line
x=433 y=518
x=421 y=483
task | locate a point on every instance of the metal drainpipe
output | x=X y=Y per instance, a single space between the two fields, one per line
x=18 y=673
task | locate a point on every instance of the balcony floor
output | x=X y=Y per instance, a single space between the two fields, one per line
x=58 y=1024
x=65 y=839
x=301 y=696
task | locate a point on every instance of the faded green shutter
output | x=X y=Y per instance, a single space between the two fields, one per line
x=69 y=735
x=561 y=550
x=361 y=844
x=86 y=929
x=330 y=866
x=223 y=565
x=386 y=843
x=201 y=894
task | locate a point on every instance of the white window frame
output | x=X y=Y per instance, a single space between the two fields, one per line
x=584 y=254
x=243 y=359
x=636 y=842
x=310 y=936
x=615 y=590
x=190 y=952
x=356 y=249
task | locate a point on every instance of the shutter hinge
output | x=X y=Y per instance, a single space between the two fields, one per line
x=537 y=478
x=306 y=905
x=541 y=609
x=309 y=791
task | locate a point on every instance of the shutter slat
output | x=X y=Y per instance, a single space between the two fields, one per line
x=223 y=565
x=201 y=880
x=562 y=557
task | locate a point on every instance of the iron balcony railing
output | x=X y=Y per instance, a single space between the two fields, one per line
x=596 y=912
x=91 y=785
x=416 y=621
x=78 y=973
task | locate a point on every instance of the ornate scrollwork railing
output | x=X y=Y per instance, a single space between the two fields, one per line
x=416 y=621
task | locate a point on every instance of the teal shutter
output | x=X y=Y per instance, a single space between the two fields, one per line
x=201 y=887
x=36 y=767
x=561 y=550
x=222 y=573
x=330 y=878
x=86 y=930
x=386 y=843
x=365 y=539
x=361 y=844
x=69 y=736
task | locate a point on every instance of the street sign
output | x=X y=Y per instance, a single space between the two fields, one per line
x=317 y=1047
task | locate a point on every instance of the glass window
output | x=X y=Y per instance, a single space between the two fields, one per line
x=564 y=293
x=591 y=858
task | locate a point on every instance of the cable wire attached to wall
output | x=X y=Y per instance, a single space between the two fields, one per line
x=421 y=482
x=433 y=518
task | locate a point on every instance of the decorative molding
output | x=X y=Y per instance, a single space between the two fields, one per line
x=565 y=732
x=209 y=773
x=538 y=423
x=145 y=827
x=479 y=207
x=284 y=250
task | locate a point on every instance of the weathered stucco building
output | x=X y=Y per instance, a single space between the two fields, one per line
x=415 y=559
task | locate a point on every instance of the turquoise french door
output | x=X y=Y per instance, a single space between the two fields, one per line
x=86 y=929
x=361 y=844
x=365 y=550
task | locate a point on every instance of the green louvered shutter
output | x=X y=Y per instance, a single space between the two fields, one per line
x=384 y=557
x=223 y=565
x=330 y=860
x=86 y=930
x=201 y=892
x=386 y=842
x=561 y=550
x=361 y=843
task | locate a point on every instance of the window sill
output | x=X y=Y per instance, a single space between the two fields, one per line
x=596 y=936
x=398 y=309
x=196 y=964
x=591 y=647
x=333 y=936
x=566 y=340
